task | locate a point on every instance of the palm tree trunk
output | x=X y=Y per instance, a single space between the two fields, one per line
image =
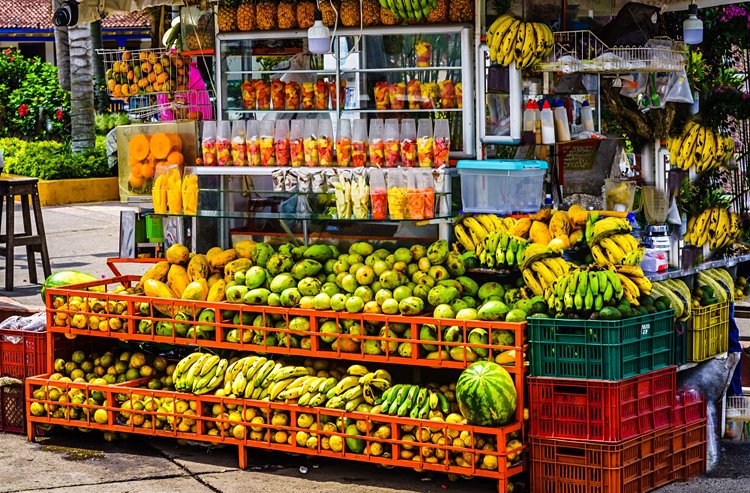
x=100 y=82
x=62 y=52
x=82 y=114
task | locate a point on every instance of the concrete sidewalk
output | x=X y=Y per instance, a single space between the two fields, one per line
x=82 y=237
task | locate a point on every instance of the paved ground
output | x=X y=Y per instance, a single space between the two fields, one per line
x=82 y=237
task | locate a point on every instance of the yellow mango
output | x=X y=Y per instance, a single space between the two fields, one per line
x=539 y=233
x=244 y=248
x=178 y=254
x=241 y=264
x=521 y=228
x=157 y=271
x=217 y=291
x=178 y=279
x=198 y=268
x=218 y=261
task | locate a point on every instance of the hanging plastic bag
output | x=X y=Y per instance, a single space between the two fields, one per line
x=634 y=86
x=679 y=89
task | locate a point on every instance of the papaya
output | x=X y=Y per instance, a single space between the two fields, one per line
x=176 y=142
x=157 y=271
x=198 y=268
x=177 y=279
x=157 y=289
x=239 y=265
x=178 y=254
x=218 y=261
x=214 y=279
x=196 y=291
x=244 y=248
x=217 y=291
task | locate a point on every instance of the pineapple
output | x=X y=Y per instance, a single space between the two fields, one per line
x=461 y=11
x=350 y=13
x=246 y=16
x=370 y=12
x=329 y=14
x=227 y=16
x=265 y=15
x=305 y=14
x=387 y=17
x=439 y=14
x=287 y=13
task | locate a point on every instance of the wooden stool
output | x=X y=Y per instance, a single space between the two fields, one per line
x=25 y=187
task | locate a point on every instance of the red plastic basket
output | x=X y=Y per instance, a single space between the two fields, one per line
x=22 y=354
x=12 y=409
x=636 y=465
x=601 y=410
x=689 y=450
x=689 y=407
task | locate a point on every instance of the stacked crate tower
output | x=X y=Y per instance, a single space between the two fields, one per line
x=604 y=411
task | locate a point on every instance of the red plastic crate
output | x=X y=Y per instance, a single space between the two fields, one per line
x=566 y=466
x=22 y=354
x=601 y=410
x=689 y=450
x=689 y=407
x=12 y=409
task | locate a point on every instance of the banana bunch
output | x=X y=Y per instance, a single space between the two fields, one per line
x=526 y=43
x=257 y=377
x=621 y=248
x=501 y=249
x=199 y=373
x=715 y=225
x=540 y=274
x=605 y=227
x=701 y=147
x=720 y=281
x=409 y=9
x=679 y=295
x=590 y=289
x=411 y=400
x=471 y=230
x=358 y=387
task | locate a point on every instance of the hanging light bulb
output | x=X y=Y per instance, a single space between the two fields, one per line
x=318 y=36
x=692 y=27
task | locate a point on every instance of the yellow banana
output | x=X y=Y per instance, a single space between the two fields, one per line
x=464 y=238
x=476 y=227
x=486 y=222
x=551 y=264
x=532 y=282
x=544 y=272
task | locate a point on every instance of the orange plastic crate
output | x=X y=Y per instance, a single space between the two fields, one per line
x=22 y=353
x=203 y=421
x=689 y=450
x=636 y=465
x=12 y=417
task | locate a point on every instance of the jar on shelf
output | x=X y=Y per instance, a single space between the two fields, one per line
x=278 y=95
x=263 y=94
x=248 y=95
x=291 y=95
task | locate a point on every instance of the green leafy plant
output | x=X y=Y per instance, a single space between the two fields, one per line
x=52 y=160
x=105 y=122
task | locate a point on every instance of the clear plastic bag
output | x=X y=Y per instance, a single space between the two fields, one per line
x=679 y=89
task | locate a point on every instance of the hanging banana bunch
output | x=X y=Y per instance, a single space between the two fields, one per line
x=701 y=147
x=512 y=40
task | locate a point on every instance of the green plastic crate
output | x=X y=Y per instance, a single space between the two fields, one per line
x=155 y=229
x=601 y=349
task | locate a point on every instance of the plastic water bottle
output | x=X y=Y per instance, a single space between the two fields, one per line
x=587 y=117
x=562 y=128
x=530 y=115
x=548 y=124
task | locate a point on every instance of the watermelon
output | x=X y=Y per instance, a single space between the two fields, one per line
x=66 y=278
x=486 y=394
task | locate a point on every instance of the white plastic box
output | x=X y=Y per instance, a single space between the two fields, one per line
x=502 y=186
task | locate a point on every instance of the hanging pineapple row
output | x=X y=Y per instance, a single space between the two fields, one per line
x=267 y=15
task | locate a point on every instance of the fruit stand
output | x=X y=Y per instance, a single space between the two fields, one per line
x=352 y=270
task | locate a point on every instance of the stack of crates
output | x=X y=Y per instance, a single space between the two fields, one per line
x=602 y=406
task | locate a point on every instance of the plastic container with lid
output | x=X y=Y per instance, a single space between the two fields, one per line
x=502 y=186
x=359 y=143
x=311 y=142
x=208 y=143
x=442 y=139
x=425 y=143
x=392 y=147
x=344 y=143
x=239 y=146
x=548 y=124
x=530 y=114
x=378 y=194
x=408 y=143
x=267 y=151
x=325 y=143
x=375 y=144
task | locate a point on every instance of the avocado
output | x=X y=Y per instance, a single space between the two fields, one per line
x=538 y=307
x=664 y=300
x=609 y=313
x=643 y=310
x=646 y=300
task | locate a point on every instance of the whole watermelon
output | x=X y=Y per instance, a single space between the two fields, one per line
x=66 y=278
x=486 y=394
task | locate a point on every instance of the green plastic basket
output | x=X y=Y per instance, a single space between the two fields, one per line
x=601 y=349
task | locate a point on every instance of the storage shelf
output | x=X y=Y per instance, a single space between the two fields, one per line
x=268 y=170
x=712 y=264
x=203 y=419
x=302 y=217
x=347 y=31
